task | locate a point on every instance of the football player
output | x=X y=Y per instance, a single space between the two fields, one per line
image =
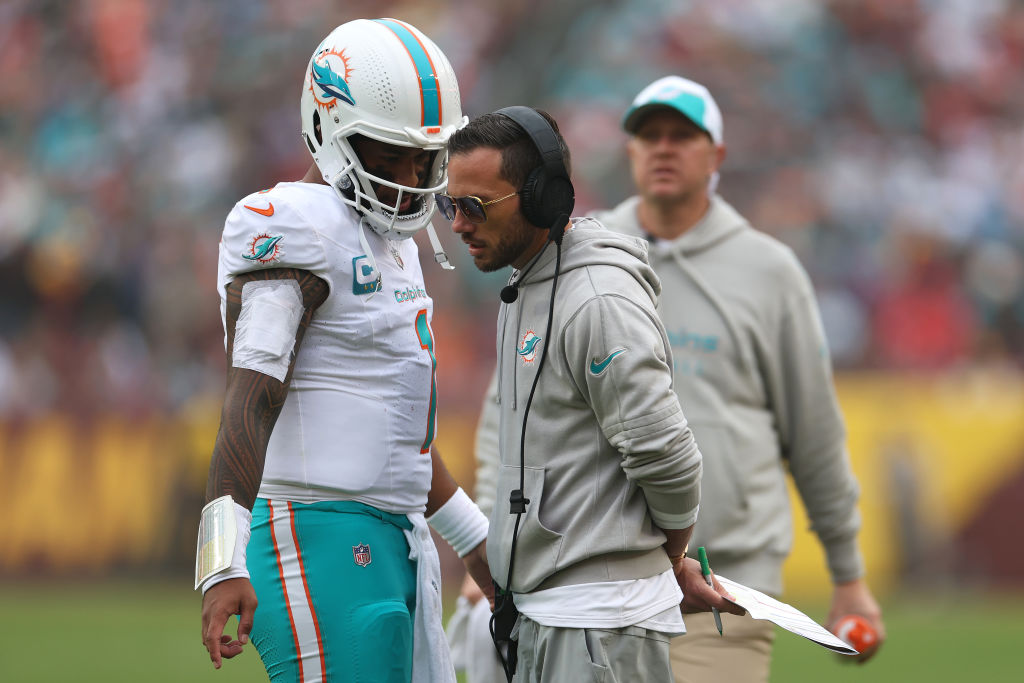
x=323 y=474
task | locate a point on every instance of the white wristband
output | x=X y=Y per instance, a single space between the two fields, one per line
x=460 y=523
x=224 y=528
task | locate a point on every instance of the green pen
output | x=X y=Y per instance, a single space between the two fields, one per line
x=705 y=569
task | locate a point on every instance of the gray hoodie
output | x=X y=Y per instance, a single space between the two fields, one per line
x=753 y=374
x=607 y=453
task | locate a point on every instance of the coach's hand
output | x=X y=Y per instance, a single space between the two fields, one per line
x=234 y=596
x=698 y=596
x=854 y=597
x=477 y=567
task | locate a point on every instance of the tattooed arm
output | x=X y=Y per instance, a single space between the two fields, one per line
x=253 y=400
x=252 y=403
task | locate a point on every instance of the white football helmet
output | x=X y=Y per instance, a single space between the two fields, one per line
x=383 y=79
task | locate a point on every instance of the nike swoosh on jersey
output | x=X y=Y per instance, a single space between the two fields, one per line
x=268 y=212
x=598 y=368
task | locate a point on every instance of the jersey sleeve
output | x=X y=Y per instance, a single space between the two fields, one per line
x=267 y=230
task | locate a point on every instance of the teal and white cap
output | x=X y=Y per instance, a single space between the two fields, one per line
x=689 y=98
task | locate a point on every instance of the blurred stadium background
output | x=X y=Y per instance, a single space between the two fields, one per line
x=881 y=139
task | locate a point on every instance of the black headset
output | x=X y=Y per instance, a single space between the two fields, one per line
x=547 y=196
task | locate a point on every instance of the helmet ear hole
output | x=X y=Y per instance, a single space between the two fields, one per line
x=316 y=128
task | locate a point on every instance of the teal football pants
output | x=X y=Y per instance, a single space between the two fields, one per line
x=336 y=592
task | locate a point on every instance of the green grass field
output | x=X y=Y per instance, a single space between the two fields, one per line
x=149 y=631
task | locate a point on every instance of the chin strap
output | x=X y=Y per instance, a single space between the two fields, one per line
x=343 y=184
x=439 y=254
x=369 y=256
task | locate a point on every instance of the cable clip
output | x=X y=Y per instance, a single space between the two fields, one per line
x=517 y=502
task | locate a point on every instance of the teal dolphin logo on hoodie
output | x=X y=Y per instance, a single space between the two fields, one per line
x=528 y=346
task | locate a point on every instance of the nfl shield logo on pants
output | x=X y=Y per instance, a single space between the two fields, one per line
x=361 y=553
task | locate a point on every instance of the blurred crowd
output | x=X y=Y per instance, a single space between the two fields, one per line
x=881 y=139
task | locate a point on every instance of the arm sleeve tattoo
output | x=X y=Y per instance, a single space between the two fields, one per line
x=253 y=400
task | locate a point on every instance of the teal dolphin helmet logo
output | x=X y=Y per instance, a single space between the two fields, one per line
x=332 y=84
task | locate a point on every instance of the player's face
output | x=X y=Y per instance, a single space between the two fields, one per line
x=402 y=165
x=505 y=237
x=672 y=158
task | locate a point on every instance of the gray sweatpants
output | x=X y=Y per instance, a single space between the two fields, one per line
x=551 y=654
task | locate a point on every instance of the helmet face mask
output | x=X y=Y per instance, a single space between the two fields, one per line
x=386 y=81
x=386 y=216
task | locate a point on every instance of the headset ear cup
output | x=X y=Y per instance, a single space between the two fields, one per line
x=547 y=193
x=543 y=198
x=530 y=199
x=559 y=198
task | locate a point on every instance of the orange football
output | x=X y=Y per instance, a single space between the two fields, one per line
x=857 y=632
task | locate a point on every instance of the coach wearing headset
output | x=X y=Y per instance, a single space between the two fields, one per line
x=597 y=478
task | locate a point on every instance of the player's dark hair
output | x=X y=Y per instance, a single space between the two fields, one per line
x=519 y=155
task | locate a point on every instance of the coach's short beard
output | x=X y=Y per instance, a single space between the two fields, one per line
x=516 y=239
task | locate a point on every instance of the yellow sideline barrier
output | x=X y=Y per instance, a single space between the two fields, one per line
x=120 y=493
x=927 y=448
x=85 y=498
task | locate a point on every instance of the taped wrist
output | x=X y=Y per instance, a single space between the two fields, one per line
x=224 y=528
x=460 y=523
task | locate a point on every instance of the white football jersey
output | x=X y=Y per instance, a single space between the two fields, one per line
x=360 y=413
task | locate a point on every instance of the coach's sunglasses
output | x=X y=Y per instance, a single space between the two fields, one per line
x=471 y=207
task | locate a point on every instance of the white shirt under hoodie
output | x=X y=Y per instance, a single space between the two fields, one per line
x=608 y=457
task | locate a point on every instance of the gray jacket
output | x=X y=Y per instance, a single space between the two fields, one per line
x=753 y=373
x=608 y=455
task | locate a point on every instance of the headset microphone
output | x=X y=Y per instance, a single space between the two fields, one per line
x=509 y=293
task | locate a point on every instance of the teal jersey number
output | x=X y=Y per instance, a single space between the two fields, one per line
x=427 y=343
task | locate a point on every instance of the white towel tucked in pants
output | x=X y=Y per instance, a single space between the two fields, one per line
x=431 y=660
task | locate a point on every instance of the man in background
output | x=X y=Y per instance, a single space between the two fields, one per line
x=752 y=371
